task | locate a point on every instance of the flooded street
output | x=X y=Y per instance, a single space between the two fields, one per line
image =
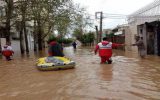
x=128 y=78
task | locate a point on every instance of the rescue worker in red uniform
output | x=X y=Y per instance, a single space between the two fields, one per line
x=105 y=50
x=7 y=51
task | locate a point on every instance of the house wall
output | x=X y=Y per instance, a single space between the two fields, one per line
x=128 y=40
x=148 y=14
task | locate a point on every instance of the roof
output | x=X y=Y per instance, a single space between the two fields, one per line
x=146 y=8
x=118 y=33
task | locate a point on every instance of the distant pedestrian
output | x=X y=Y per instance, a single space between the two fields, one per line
x=141 y=48
x=7 y=51
x=105 y=50
x=74 y=44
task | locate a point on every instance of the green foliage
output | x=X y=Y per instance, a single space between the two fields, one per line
x=110 y=35
x=87 y=38
x=65 y=41
x=48 y=16
x=91 y=37
x=84 y=38
x=77 y=33
x=60 y=40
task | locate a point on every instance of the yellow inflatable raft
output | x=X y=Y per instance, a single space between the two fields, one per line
x=54 y=63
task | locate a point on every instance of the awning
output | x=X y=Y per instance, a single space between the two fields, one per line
x=118 y=33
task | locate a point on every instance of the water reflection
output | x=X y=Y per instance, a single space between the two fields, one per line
x=128 y=78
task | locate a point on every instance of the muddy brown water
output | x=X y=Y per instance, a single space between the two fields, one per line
x=128 y=78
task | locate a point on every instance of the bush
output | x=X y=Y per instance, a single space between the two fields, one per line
x=65 y=41
x=87 y=38
x=60 y=40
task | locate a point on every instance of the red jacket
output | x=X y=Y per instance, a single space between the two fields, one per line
x=105 y=48
x=7 y=51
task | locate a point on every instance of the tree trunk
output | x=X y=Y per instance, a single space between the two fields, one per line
x=8 y=31
x=40 y=46
x=8 y=18
x=35 y=36
x=23 y=9
x=0 y=47
x=26 y=39
x=40 y=40
x=21 y=41
x=35 y=42
x=21 y=38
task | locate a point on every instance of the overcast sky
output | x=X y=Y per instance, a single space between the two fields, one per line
x=124 y=7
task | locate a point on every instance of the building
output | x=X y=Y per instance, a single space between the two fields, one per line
x=120 y=34
x=145 y=23
x=106 y=32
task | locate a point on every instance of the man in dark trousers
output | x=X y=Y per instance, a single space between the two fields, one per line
x=74 y=44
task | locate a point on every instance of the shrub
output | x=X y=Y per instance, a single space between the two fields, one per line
x=60 y=40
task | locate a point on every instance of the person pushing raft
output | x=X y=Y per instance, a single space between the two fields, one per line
x=105 y=50
x=7 y=51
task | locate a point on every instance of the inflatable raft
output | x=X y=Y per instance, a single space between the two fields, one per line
x=54 y=63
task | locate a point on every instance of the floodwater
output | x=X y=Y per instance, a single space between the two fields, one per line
x=128 y=78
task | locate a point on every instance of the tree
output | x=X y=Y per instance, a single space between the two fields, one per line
x=77 y=33
x=91 y=37
x=9 y=12
x=81 y=22
x=44 y=13
x=87 y=38
x=21 y=10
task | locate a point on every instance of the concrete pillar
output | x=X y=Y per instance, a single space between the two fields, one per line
x=156 y=41
x=144 y=34
x=128 y=39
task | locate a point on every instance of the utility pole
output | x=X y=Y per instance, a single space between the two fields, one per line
x=97 y=39
x=100 y=35
x=100 y=26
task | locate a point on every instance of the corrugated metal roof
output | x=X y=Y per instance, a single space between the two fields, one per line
x=146 y=8
x=118 y=33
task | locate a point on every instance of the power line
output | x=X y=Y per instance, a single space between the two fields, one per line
x=115 y=14
x=114 y=18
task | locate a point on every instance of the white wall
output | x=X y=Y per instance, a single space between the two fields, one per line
x=128 y=41
x=3 y=41
x=133 y=32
